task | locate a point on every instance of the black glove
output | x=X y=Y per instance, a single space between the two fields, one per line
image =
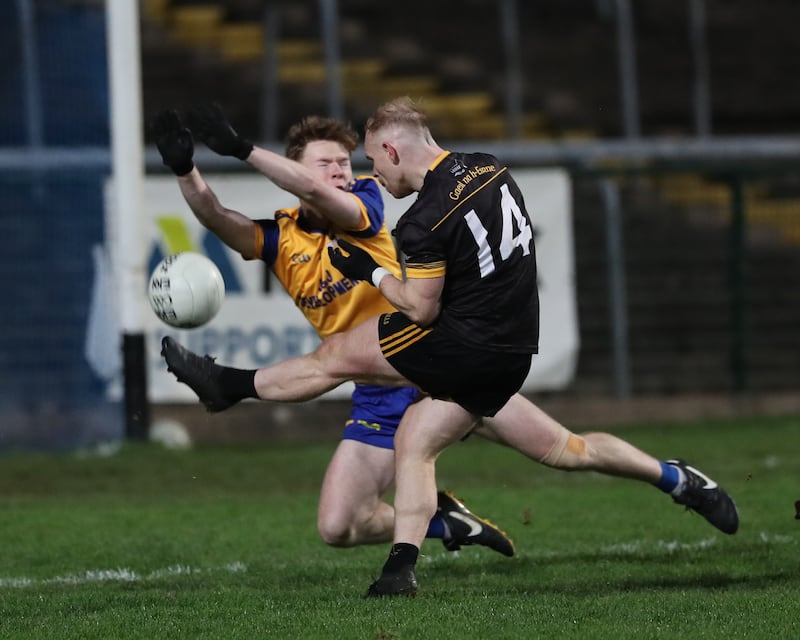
x=359 y=265
x=210 y=125
x=174 y=141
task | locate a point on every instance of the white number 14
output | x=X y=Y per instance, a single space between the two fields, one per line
x=508 y=241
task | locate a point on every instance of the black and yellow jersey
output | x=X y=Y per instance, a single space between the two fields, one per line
x=469 y=224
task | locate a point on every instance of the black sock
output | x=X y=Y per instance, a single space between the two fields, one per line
x=238 y=383
x=401 y=555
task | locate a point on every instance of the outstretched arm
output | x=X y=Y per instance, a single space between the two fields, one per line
x=175 y=144
x=235 y=229
x=210 y=125
x=341 y=208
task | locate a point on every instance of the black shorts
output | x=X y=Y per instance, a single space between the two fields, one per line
x=481 y=381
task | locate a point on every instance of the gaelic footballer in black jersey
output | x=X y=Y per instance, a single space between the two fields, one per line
x=469 y=222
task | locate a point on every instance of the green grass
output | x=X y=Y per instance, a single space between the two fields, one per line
x=221 y=543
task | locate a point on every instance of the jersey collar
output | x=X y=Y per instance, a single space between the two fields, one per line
x=436 y=162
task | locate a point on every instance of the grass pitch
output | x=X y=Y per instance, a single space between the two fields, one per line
x=221 y=543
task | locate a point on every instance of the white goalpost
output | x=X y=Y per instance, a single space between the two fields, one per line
x=126 y=232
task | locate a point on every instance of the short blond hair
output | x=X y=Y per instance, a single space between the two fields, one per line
x=398 y=112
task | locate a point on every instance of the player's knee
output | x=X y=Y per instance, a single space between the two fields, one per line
x=569 y=452
x=334 y=532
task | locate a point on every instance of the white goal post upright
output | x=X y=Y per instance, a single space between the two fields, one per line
x=126 y=235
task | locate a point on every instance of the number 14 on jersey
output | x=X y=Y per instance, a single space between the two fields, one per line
x=508 y=240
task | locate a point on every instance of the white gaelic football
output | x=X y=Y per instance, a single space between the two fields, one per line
x=186 y=290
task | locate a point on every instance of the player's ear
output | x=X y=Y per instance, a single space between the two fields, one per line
x=391 y=151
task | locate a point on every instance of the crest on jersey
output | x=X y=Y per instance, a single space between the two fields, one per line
x=458 y=168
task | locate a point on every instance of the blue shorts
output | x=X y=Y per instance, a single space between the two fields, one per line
x=376 y=412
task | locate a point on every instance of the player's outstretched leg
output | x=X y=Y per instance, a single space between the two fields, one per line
x=701 y=494
x=466 y=528
x=201 y=374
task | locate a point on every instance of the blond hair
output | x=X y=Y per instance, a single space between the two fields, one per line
x=403 y=112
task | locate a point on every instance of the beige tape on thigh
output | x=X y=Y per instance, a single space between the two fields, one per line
x=568 y=452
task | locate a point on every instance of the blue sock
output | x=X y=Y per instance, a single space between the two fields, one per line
x=670 y=477
x=436 y=527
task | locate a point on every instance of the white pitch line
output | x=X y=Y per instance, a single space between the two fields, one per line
x=622 y=548
x=670 y=546
x=119 y=575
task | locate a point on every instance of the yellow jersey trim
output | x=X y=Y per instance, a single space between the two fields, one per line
x=486 y=184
